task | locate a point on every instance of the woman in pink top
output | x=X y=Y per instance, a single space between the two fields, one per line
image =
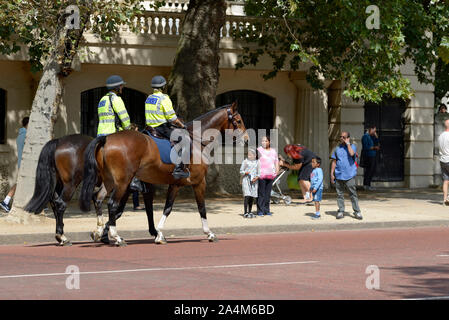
x=269 y=168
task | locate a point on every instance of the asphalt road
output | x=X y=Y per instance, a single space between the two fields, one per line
x=359 y=264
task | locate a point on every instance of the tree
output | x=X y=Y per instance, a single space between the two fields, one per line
x=194 y=78
x=340 y=40
x=52 y=31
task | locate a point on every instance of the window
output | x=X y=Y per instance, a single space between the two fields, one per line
x=256 y=109
x=2 y=116
x=134 y=102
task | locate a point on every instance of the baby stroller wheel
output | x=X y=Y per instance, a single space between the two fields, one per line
x=287 y=200
x=276 y=200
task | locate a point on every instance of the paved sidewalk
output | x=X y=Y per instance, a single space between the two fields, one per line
x=381 y=209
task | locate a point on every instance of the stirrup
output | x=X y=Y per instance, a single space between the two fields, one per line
x=181 y=174
x=136 y=185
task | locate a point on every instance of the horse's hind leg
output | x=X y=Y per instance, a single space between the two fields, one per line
x=116 y=205
x=148 y=199
x=200 y=190
x=98 y=199
x=59 y=205
x=171 y=196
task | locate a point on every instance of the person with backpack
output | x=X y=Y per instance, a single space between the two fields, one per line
x=343 y=173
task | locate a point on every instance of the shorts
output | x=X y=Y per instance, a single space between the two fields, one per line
x=305 y=172
x=444 y=170
x=318 y=196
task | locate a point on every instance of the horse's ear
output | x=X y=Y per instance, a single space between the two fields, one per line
x=234 y=107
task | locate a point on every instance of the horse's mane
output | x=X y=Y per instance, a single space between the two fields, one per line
x=201 y=117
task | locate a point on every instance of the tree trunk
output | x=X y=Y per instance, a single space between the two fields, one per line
x=194 y=79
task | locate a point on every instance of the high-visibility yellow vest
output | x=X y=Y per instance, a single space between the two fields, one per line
x=159 y=109
x=106 y=114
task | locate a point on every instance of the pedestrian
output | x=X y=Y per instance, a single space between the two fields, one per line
x=343 y=172
x=20 y=141
x=302 y=161
x=316 y=185
x=269 y=169
x=370 y=147
x=136 y=205
x=442 y=108
x=443 y=142
x=250 y=172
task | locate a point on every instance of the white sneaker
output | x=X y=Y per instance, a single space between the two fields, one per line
x=5 y=207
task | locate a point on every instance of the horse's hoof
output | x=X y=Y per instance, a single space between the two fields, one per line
x=212 y=238
x=66 y=243
x=160 y=240
x=95 y=236
x=121 y=243
x=105 y=240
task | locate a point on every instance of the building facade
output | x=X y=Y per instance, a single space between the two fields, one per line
x=286 y=103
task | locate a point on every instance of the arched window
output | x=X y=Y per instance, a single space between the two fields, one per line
x=256 y=109
x=2 y=116
x=134 y=102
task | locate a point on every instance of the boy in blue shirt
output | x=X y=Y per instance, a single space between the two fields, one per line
x=316 y=187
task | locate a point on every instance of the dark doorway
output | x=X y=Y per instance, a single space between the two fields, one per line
x=134 y=102
x=2 y=116
x=388 y=118
x=256 y=109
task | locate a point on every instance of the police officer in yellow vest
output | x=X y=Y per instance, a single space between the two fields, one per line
x=113 y=117
x=112 y=114
x=160 y=115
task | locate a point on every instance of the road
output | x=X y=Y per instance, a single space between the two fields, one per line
x=357 y=264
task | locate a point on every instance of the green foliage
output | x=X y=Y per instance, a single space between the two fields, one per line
x=35 y=25
x=333 y=37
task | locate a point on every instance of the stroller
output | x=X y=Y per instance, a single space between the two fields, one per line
x=276 y=197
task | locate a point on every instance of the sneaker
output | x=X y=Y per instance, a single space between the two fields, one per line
x=316 y=217
x=269 y=213
x=358 y=215
x=246 y=215
x=260 y=214
x=340 y=215
x=446 y=202
x=5 y=207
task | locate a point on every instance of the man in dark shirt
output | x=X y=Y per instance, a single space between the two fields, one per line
x=370 y=146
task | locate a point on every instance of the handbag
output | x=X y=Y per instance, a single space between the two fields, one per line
x=363 y=159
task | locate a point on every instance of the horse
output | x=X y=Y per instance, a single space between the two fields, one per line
x=117 y=158
x=58 y=174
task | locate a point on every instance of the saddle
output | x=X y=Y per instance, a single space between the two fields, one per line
x=164 y=145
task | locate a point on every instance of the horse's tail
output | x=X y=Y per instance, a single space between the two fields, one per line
x=45 y=178
x=90 y=172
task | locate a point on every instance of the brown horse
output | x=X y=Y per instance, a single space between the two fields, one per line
x=58 y=174
x=117 y=158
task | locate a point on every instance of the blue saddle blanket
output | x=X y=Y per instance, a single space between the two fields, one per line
x=164 y=147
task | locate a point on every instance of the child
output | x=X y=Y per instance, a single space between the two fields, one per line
x=316 y=187
x=250 y=171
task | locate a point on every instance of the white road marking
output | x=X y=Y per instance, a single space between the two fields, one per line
x=443 y=255
x=159 y=269
x=430 y=298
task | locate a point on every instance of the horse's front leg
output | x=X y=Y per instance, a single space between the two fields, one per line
x=171 y=196
x=200 y=190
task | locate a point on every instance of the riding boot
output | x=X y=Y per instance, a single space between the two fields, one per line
x=136 y=185
x=179 y=172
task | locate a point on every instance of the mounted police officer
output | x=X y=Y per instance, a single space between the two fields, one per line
x=161 y=116
x=112 y=115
